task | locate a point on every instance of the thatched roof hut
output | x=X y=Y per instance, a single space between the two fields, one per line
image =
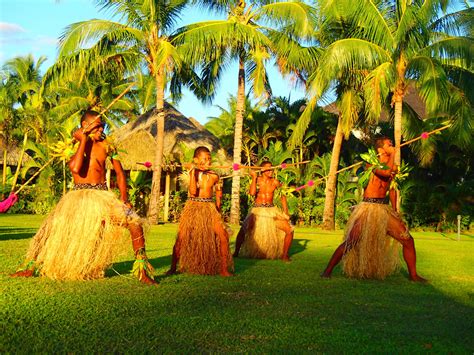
x=13 y=154
x=136 y=140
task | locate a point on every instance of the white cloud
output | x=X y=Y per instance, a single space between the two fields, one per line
x=11 y=28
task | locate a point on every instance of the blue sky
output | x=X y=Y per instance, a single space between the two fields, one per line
x=33 y=26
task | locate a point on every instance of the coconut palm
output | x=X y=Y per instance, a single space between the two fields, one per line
x=242 y=37
x=346 y=83
x=142 y=38
x=24 y=83
x=396 y=42
x=420 y=44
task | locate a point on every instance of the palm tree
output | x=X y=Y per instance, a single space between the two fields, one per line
x=420 y=44
x=242 y=37
x=24 y=82
x=142 y=39
x=346 y=83
x=395 y=43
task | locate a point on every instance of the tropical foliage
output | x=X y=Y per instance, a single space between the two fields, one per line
x=368 y=57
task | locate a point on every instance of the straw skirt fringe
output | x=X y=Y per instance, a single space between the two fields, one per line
x=263 y=240
x=199 y=243
x=81 y=236
x=375 y=254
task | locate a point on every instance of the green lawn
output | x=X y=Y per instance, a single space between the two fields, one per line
x=267 y=307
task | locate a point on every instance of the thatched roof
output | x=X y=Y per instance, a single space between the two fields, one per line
x=136 y=140
x=13 y=154
x=411 y=98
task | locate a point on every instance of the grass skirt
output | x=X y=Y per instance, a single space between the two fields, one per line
x=264 y=240
x=199 y=243
x=81 y=236
x=375 y=254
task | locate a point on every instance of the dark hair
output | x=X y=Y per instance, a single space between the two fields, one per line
x=266 y=162
x=200 y=150
x=378 y=141
x=89 y=113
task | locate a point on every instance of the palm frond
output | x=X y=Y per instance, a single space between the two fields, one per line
x=349 y=106
x=302 y=124
x=459 y=23
x=297 y=15
x=457 y=51
x=431 y=82
x=87 y=33
x=257 y=74
x=377 y=86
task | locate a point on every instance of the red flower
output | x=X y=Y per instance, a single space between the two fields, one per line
x=283 y=165
x=235 y=166
x=424 y=135
x=310 y=183
x=147 y=164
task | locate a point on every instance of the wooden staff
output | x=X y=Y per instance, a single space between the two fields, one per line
x=424 y=135
x=282 y=166
x=20 y=160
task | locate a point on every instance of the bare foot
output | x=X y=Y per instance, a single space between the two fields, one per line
x=171 y=272
x=417 y=278
x=226 y=274
x=325 y=274
x=24 y=273
x=144 y=278
x=235 y=255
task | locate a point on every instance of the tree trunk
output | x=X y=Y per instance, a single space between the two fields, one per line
x=331 y=184
x=239 y=121
x=4 y=172
x=397 y=123
x=398 y=136
x=20 y=161
x=153 y=208
x=166 y=209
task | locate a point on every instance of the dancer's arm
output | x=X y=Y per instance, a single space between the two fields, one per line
x=75 y=164
x=385 y=173
x=253 y=184
x=218 y=194
x=192 y=183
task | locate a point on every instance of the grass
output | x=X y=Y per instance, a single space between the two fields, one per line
x=267 y=307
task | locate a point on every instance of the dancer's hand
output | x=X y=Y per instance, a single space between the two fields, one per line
x=79 y=134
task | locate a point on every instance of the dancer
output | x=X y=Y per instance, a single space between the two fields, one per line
x=266 y=232
x=202 y=243
x=79 y=238
x=367 y=250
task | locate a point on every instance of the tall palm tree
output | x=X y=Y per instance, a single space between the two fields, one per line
x=345 y=82
x=395 y=42
x=142 y=38
x=418 y=43
x=242 y=37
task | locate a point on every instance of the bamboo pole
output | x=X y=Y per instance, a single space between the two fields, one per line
x=20 y=160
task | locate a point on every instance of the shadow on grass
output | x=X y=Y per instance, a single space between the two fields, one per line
x=298 y=246
x=16 y=233
x=212 y=315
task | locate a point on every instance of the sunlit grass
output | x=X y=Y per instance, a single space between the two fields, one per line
x=269 y=306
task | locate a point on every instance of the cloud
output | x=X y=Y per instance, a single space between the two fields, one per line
x=10 y=28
